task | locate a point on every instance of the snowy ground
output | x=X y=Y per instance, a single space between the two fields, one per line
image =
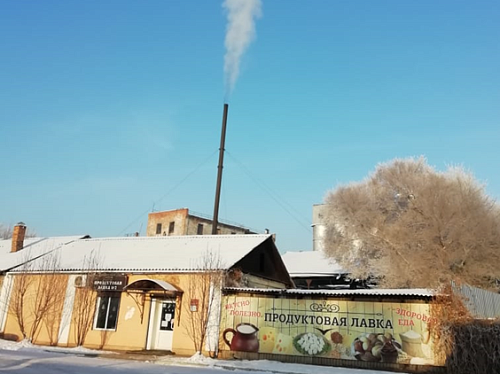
x=24 y=358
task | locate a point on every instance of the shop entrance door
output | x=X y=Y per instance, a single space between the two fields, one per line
x=162 y=328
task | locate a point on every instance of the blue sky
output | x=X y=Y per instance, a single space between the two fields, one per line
x=110 y=109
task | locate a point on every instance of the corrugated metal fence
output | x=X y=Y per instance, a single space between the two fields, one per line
x=482 y=304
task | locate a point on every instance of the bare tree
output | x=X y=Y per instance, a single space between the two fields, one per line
x=41 y=297
x=201 y=297
x=7 y=230
x=412 y=226
x=37 y=295
x=48 y=297
x=52 y=316
x=105 y=335
x=18 y=307
x=85 y=300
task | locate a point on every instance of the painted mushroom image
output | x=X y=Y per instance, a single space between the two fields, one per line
x=376 y=347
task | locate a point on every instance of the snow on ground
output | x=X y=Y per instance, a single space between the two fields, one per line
x=191 y=365
x=10 y=346
x=262 y=366
x=15 y=346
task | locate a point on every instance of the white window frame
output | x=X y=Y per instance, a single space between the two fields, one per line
x=96 y=314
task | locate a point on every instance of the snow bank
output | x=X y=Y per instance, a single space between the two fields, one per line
x=9 y=345
x=15 y=346
x=262 y=366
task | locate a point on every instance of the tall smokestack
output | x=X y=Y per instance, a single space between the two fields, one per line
x=18 y=235
x=219 y=171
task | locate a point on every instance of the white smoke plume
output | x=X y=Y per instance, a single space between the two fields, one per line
x=240 y=32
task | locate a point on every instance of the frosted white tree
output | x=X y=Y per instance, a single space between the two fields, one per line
x=413 y=226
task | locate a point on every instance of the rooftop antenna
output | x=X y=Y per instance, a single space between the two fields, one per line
x=219 y=171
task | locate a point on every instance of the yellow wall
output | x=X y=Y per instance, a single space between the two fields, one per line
x=11 y=326
x=48 y=329
x=182 y=342
x=130 y=333
x=72 y=338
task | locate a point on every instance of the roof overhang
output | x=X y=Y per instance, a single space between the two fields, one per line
x=147 y=285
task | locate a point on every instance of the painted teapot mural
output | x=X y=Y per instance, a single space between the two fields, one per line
x=244 y=338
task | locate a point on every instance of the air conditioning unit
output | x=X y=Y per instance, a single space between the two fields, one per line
x=80 y=281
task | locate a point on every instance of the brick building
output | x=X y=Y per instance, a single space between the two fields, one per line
x=181 y=222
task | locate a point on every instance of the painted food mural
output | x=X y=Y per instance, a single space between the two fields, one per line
x=376 y=347
x=311 y=344
x=351 y=330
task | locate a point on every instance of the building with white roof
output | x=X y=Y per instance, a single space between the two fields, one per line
x=155 y=254
x=311 y=264
x=314 y=270
x=132 y=293
x=32 y=248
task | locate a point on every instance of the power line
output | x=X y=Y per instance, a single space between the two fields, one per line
x=171 y=190
x=297 y=216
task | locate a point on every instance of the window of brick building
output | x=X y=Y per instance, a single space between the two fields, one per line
x=171 y=228
x=199 y=230
x=158 y=228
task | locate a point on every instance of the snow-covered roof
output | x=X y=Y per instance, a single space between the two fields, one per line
x=414 y=292
x=33 y=248
x=310 y=264
x=153 y=254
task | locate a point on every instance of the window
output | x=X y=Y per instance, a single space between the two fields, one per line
x=171 y=227
x=107 y=312
x=199 y=231
x=167 y=316
x=158 y=228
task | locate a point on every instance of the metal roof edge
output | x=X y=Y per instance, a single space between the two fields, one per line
x=424 y=293
x=177 y=237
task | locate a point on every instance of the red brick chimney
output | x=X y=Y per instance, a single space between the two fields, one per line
x=18 y=237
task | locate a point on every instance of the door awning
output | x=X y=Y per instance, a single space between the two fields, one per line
x=147 y=285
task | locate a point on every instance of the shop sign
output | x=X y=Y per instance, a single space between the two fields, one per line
x=109 y=283
x=350 y=330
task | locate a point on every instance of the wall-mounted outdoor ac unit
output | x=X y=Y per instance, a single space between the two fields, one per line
x=80 y=281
